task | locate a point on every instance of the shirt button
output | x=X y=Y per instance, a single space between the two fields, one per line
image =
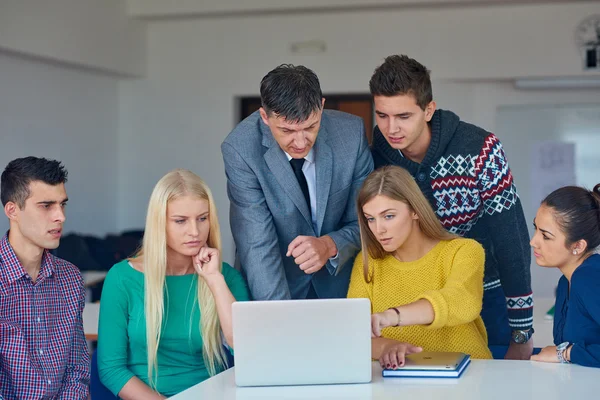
x=421 y=177
x=49 y=382
x=41 y=351
x=39 y=319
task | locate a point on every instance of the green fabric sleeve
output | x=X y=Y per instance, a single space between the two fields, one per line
x=236 y=283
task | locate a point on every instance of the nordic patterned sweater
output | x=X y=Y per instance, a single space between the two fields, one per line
x=466 y=178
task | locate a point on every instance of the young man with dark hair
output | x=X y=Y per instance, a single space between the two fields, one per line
x=43 y=352
x=463 y=171
x=293 y=172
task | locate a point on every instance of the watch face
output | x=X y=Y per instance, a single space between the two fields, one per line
x=518 y=337
x=562 y=346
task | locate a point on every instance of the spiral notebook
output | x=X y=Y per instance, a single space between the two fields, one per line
x=431 y=365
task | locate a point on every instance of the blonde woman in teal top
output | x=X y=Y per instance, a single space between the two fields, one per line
x=165 y=314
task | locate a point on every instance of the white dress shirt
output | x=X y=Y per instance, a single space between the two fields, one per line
x=310 y=173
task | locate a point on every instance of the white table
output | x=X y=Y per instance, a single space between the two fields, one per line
x=483 y=379
x=91 y=312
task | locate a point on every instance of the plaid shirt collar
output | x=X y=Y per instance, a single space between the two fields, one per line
x=11 y=268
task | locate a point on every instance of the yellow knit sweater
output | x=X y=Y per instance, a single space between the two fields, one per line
x=450 y=277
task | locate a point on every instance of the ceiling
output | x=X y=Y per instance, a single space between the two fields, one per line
x=160 y=9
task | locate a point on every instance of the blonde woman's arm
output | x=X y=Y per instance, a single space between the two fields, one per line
x=221 y=284
x=135 y=389
x=458 y=302
x=461 y=298
x=223 y=300
x=419 y=312
x=391 y=353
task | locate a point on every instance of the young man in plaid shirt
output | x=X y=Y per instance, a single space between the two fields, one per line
x=43 y=353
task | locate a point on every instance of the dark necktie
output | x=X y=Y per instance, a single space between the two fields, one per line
x=297 y=167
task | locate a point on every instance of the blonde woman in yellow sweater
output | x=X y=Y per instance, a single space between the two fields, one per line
x=425 y=284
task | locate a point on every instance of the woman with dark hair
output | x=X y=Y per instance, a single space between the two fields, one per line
x=567 y=234
x=425 y=284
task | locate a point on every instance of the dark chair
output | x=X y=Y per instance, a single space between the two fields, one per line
x=230 y=359
x=97 y=390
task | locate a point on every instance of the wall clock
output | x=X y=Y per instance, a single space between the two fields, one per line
x=587 y=37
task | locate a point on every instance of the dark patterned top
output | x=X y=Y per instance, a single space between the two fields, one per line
x=466 y=178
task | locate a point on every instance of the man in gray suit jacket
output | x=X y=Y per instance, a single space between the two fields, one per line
x=293 y=173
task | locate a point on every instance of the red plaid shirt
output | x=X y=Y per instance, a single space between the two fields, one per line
x=43 y=352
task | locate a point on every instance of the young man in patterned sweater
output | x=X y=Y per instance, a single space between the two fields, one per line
x=464 y=173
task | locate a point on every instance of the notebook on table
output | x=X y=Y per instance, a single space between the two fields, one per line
x=431 y=365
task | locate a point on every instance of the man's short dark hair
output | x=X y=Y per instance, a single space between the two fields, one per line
x=402 y=75
x=19 y=173
x=292 y=92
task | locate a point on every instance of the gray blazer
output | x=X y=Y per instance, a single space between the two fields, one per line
x=268 y=210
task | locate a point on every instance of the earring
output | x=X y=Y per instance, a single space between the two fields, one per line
x=574 y=252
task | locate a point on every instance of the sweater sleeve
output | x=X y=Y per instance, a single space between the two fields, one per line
x=460 y=300
x=585 y=286
x=358 y=288
x=508 y=235
x=112 y=333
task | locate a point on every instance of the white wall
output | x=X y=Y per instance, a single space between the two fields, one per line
x=94 y=34
x=66 y=114
x=571 y=123
x=179 y=114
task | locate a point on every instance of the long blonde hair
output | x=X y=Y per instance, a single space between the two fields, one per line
x=175 y=184
x=397 y=184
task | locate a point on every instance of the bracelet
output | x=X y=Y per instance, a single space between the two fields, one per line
x=567 y=351
x=397 y=312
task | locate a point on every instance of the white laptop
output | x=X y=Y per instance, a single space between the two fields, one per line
x=302 y=342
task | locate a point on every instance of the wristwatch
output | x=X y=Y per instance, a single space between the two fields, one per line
x=521 y=337
x=560 y=352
